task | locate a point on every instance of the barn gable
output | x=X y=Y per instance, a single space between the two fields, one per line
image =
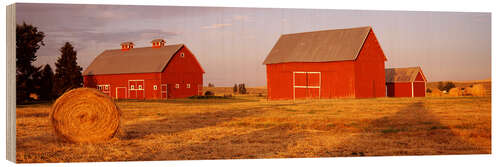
x=319 y=46
x=409 y=74
x=136 y=60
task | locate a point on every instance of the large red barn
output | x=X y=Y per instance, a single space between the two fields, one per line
x=405 y=82
x=157 y=72
x=326 y=64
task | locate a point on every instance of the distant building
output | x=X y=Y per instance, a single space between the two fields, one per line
x=326 y=64
x=405 y=82
x=157 y=72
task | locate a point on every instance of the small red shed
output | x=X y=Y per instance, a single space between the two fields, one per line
x=326 y=64
x=157 y=72
x=405 y=82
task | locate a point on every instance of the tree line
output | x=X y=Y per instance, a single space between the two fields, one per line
x=42 y=81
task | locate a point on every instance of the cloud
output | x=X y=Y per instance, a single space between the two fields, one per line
x=214 y=26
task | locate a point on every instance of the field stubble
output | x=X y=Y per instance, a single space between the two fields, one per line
x=248 y=126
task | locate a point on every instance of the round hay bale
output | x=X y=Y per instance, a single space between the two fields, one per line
x=478 y=90
x=85 y=115
x=436 y=92
x=468 y=91
x=454 y=92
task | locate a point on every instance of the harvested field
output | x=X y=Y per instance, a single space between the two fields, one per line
x=249 y=126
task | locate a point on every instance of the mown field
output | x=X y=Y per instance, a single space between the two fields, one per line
x=249 y=126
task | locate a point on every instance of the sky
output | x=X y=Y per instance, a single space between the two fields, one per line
x=232 y=43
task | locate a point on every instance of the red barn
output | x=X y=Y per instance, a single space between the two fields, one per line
x=405 y=82
x=326 y=64
x=157 y=72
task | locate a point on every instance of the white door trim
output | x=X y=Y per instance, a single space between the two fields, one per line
x=307 y=84
x=116 y=92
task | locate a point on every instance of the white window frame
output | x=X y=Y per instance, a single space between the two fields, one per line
x=104 y=88
x=306 y=86
x=133 y=89
x=140 y=87
x=188 y=85
x=177 y=86
x=182 y=54
x=155 y=87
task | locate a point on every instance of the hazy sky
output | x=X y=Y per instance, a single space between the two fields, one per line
x=232 y=43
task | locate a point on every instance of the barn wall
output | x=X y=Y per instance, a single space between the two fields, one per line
x=370 y=69
x=337 y=78
x=121 y=80
x=399 y=89
x=183 y=70
x=419 y=89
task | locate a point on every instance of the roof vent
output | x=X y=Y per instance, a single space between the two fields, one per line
x=158 y=43
x=127 y=45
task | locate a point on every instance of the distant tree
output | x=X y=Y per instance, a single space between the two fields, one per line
x=46 y=83
x=68 y=73
x=211 y=85
x=445 y=86
x=28 y=40
x=235 y=88
x=428 y=90
x=209 y=93
x=242 y=89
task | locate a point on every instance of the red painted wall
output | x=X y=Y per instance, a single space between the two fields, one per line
x=183 y=70
x=419 y=89
x=121 y=80
x=180 y=70
x=337 y=79
x=370 y=69
x=364 y=77
x=399 y=89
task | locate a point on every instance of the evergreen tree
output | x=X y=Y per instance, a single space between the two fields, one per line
x=242 y=89
x=68 y=73
x=46 y=83
x=28 y=41
x=235 y=88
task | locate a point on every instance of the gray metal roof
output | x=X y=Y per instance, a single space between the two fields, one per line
x=135 y=60
x=408 y=74
x=318 y=46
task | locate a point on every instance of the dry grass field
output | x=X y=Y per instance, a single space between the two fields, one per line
x=249 y=126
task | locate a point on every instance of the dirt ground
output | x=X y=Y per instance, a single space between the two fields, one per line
x=249 y=126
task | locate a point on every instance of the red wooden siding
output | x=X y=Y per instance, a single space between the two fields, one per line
x=337 y=79
x=183 y=71
x=121 y=81
x=370 y=69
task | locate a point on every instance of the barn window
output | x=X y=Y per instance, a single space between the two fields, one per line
x=99 y=87
x=140 y=87
x=176 y=85
x=188 y=85
x=106 y=87
x=155 y=87
x=131 y=86
x=182 y=54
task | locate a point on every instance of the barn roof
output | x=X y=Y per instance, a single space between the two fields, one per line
x=136 y=60
x=408 y=74
x=319 y=46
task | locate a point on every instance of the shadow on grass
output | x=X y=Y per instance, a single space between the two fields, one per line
x=411 y=131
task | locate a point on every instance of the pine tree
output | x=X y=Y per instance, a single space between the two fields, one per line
x=68 y=73
x=46 y=83
x=28 y=41
x=235 y=88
